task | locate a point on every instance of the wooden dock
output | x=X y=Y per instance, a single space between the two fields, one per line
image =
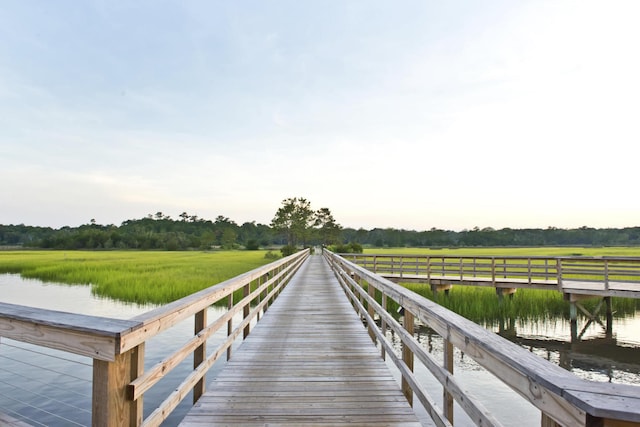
x=575 y=277
x=309 y=361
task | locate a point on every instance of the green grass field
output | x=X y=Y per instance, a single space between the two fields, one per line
x=133 y=276
x=160 y=277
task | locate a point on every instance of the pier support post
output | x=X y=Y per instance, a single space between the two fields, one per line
x=573 y=318
x=501 y=292
x=594 y=316
x=609 y=328
x=437 y=288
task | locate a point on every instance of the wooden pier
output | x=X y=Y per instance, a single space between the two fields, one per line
x=310 y=361
x=577 y=278
x=573 y=276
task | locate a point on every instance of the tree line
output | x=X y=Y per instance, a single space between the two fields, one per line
x=476 y=237
x=294 y=225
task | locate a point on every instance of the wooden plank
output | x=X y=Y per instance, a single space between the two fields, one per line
x=92 y=336
x=92 y=325
x=309 y=361
x=604 y=404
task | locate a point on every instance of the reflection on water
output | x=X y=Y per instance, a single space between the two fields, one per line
x=600 y=352
x=53 y=388
x=597 y=356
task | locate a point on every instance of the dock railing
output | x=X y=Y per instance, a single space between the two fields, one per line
x=610 y=275
x=117 y=347
x=563 y=398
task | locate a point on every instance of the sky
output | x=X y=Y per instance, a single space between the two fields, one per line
x=410 y=114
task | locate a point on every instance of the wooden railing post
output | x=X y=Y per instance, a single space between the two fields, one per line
x=259 y=299
x=371 y=290
x=358 y=280
x=493 y=270
x=547 y=421
x=383 y=325
x=546 y=269
x=246 y=290
x=200 y=353
x=266 y=292
x=447 y=399
x=111 y=405
x=407 y=355
x=229 y=323
x=559 y=272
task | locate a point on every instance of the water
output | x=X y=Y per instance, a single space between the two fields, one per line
x=597 y=356
x=55 y=388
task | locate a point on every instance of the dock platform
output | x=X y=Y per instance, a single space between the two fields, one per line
x=309 y=361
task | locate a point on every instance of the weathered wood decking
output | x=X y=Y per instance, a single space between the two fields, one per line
x=309 y=361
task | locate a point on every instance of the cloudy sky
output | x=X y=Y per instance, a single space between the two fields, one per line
x=410 y=114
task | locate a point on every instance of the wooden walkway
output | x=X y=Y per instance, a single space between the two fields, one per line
x=308 y=362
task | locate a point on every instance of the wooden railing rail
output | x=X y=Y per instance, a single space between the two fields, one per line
x=531 y=268
x=545 y=272
x=117 y=346
x=562 y=398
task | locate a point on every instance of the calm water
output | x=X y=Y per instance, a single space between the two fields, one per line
x=597 y=356
x=53 y=388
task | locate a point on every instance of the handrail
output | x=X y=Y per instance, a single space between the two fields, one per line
x=562 y=398
x=117 y=346
x=604 y=275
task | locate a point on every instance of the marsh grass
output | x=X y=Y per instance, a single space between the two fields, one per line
x=482 y=305
x=133 y=276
